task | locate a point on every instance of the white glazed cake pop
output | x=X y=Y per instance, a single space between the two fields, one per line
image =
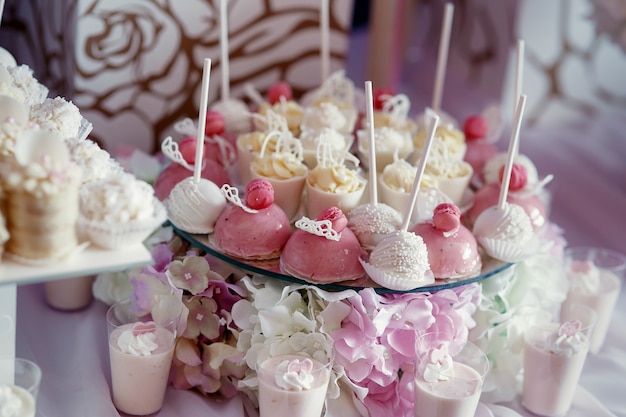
x=400 y=260
x=371 y=222
x=194 y=206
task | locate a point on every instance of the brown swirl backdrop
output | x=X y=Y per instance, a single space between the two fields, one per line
x=134 y=66
x=139 y=63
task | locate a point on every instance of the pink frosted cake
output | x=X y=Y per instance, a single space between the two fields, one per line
x=257 y=230
x=323 y=251
x=452 y=248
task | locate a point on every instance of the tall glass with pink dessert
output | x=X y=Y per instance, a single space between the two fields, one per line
x=293 y=385
x=595 y=276
x=449 y=376
x=140 y=353
x=554 y=355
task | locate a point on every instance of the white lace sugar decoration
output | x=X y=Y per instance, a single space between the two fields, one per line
x=271 y=121
x=285 y=143
x=397 y=107
x=170 y=148
x=323 y=228
x=337 y=87
x=232 y=194
x=328 y=156
x=227 y=152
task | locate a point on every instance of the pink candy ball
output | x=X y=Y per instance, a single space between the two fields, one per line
x=446 y=217
x=259 y=194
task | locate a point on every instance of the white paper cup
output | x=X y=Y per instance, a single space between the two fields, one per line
x=318 y=200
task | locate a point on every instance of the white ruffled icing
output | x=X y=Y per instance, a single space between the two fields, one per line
x=295 y=375
x=325 y=114
x=95 y=162
x=117 y=199
x=23 y=78
x=437 y=366
x=57 y=115
x=400 y=175
x=388 y=140
x=564 y=343
x=335 y=179
x=12 y=404
x=584 y=276
x=137 y=345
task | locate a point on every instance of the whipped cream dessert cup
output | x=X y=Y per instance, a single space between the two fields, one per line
x=140 y=353
x=287 y=193
x=340 y=142
x=449 y=376
x=402 y=145
x=595 y=276
x=69 y=294
x=319 y=200
x=428 y=198
x=554 y=356
x=292 y=385
x=18 y=391
x=455 y=187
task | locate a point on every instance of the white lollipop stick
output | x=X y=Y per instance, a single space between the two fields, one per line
x=325 y=45
x=369 y=111
x=432 y=128
x=224 y=49
x=204 y=98
x=506 y=176
x=519 y=76
x=1 y=10
x=442 y=57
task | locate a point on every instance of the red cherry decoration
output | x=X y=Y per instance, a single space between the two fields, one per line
x=336 y=217
x=259 y=194
x=215 y=123
x=475 y=127
x=446 y=217
x=278 y=90
x=519 y=177
x=380 y=96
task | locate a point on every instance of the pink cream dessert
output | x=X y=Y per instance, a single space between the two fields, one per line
x=323 y=250
x=140 y=355
x=257 y=230
x=594 y=286
x=292 y=385
x=452 y=248
x=445 y=387
x=554 y=356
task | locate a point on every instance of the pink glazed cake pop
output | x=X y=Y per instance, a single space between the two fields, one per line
x=488 y=195
x=257 y=230
x=323 y=251
x=452 y=248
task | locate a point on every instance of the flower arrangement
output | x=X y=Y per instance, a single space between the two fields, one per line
x=228 y=318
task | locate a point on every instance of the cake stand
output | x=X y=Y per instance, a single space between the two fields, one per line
x=271 y=269
x=92 y=260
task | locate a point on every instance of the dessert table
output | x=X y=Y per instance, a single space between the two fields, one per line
x=589 y=199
